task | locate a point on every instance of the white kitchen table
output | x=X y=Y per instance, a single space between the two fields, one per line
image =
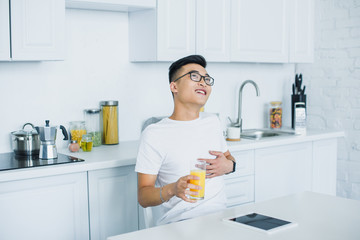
x=318 y=216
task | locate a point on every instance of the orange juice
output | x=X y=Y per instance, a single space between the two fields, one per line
x=201 y=182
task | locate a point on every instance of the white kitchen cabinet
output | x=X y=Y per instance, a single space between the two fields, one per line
x=283 y=170
x=180 y=28
x=324 y=166
x=213 y=29
x=36 y=30
x=274 y=31
x=164 y=34
x=301 y=31
x=111 y=5
x=260 y=30
x=53 y=207
x=4 y=30
x=239 y=186
x=113 y=203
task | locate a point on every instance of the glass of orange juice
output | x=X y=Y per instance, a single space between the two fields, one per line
x=198 y=170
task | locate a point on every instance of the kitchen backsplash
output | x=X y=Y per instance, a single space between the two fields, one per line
x=97 y=68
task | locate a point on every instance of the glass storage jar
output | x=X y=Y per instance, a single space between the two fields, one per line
x=110 y=129
x=74 y=146
x=275 y=115
x=77 y=130
x=87 y=142
x=92 y=124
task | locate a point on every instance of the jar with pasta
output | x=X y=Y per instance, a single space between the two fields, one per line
x=77 y=130
x=275 y=115
x=109 y=113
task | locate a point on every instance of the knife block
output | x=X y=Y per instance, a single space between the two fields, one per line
x=295 y=99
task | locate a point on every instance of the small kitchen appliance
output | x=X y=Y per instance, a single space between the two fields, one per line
x=47 y=135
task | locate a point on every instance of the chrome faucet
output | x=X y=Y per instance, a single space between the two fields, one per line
x=239 y=120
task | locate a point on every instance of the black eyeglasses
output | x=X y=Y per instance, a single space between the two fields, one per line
x=196 y=77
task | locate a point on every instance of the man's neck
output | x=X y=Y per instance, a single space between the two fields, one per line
x=185 y=113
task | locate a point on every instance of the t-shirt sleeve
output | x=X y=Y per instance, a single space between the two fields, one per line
x=149 y=158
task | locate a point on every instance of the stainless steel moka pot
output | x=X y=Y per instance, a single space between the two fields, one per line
x=47 y=135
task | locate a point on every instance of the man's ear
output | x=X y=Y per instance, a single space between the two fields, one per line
x=173 y=87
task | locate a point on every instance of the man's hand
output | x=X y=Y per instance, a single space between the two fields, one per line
x=221 y=165
x=183 y=185
x=149 y=196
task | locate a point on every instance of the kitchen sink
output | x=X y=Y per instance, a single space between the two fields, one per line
x=257 y=134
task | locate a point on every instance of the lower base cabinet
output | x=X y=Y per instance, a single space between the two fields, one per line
x=283 y=170
x=239 y=186
x=267 y=173
x=324 y=166
x=113 y=202
x=53 y=208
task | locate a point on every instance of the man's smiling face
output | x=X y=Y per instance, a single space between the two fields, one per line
x=187 y=91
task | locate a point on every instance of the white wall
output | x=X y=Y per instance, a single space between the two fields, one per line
x=333 y=84
x=97 y=68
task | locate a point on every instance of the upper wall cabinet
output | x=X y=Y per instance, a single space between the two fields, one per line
x=4 y=30
x=163 y=34
x=224 y=31
x=213 y=30
x=36 y=30
x=112 y=5
x=179 y=28
x=259 y=30
x=302 y=31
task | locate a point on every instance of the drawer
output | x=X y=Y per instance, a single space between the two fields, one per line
x=239 y=190
x=244 y=164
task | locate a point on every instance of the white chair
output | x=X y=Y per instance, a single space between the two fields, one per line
x=148 y=216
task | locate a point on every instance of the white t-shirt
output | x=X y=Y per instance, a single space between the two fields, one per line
x=169 y=149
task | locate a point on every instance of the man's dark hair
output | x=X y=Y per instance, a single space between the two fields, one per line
x=175 y=66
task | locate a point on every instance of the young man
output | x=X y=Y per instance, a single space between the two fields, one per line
x=170 y=148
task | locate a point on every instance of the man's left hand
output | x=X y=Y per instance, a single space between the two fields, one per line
x=218 y=166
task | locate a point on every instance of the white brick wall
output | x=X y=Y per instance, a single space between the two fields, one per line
x=333 y=85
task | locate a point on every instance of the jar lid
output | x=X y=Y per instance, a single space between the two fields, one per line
x=276 y=103
x=73 y=141
x=109 y=103
x=92 y=110
x=87 y=138
x=77 y=122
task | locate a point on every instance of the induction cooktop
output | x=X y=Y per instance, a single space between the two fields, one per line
x=9 y=161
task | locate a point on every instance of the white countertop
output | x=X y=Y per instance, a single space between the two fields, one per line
x=318 y=217
x=246 y=144
x=124 y=154
x=105 y=156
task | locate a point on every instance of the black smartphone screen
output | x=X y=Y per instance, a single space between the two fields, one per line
x=260 y=221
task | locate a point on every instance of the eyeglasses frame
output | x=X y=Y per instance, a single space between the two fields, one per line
x=201 y=77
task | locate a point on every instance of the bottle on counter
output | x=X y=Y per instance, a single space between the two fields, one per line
x=275 y=115
x=110 y=129
x=92 y=124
